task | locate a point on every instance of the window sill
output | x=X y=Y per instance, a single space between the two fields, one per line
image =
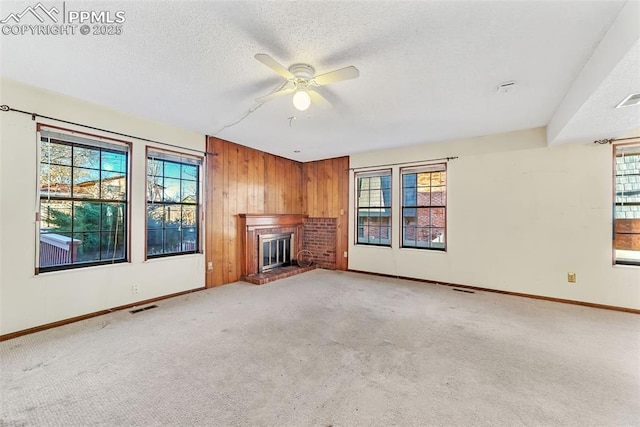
x=174 y=257
x=632 y=266
x=424 y=250
x=372 y=245
x=80 y=269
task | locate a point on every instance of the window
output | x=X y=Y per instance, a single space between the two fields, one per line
x=173 y=203
x=83 y=201
x=374 y=208
x=627 y=205
x=424 y=205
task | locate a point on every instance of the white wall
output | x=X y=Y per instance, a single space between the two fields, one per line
x=521 y=215
x=27 y=300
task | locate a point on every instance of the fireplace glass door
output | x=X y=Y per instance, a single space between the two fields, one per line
x=274 y=250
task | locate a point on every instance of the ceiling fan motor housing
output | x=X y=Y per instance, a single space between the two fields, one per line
x=303 y=73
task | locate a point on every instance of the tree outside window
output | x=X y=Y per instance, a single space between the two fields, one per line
x=83 y=202
x=172 y=204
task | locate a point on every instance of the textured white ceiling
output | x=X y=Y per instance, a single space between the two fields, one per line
x=428 y=70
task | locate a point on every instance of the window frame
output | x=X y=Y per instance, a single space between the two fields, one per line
x=369 y=174
x=176 y=157
x=75 y=138
x=635 y=148
x=416 y=169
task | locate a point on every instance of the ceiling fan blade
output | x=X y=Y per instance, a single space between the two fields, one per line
x=319 y=100
x=345 y=73
x=274 y=65
x=274 y=95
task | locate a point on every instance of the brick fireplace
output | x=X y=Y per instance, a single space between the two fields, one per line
x=252 y=226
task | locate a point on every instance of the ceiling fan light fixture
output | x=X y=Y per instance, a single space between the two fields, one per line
x=302 y=80
x=301 y=100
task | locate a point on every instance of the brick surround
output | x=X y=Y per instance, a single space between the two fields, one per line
x=319 y=237
x=251 y=226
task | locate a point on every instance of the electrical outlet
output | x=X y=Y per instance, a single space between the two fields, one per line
x=346 y=254
x=571 y=277
x=210 y=265
x=135 y=289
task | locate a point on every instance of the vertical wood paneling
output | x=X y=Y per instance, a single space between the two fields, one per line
x=215 y=214
x=271 y=190
x=210 y=214
x=226 y=208
x=279 y=180
x=229 y=224
x=251 y=178
x=327 y=195
x=309 y=188
x=328 y=209
x=242 y=205
x=244 y=180
x=312 y=209
x=260 y=207
x=290 y=204
x=341 y=169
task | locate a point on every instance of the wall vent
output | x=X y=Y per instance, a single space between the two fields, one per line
x=507 y=87
x=138 y=310
x=464 y=290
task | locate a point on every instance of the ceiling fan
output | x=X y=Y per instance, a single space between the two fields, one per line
x=301 y=80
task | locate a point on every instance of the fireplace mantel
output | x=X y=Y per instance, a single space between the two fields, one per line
x=271 y=220
x=252 y=225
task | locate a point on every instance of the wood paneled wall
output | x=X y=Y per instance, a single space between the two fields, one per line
x=327 y=196
x=243 y=180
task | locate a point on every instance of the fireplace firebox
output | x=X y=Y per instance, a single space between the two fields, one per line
x=275 y=250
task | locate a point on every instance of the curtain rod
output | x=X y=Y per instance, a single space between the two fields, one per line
x=404 y=163
x=612 y=140
x=34 y=115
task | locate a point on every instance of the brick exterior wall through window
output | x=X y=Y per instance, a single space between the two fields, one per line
x=627 y=204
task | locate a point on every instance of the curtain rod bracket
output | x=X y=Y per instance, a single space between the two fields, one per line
x=612 y=140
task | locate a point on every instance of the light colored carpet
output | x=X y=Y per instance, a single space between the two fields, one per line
x=330 y=349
